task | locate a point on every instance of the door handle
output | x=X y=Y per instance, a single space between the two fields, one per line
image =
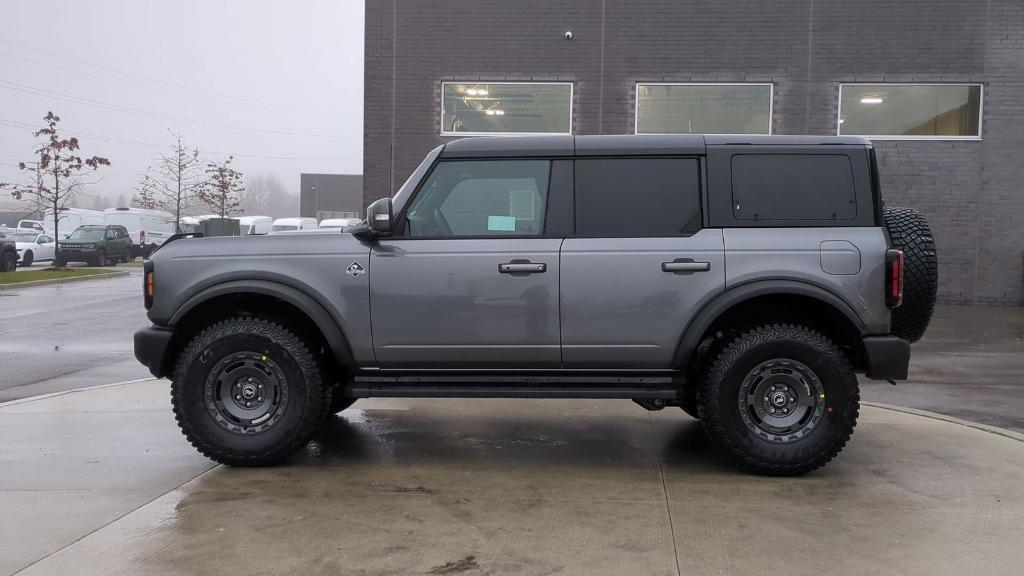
x=685 y=265
x=519 y=267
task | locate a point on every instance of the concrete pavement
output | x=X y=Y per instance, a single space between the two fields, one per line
x=66 y=336
x=101 y=482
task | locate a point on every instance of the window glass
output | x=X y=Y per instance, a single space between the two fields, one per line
x=793 y=187
x=528 y=108
x=481 y=198
x=638 y=197
x=910 y=111
x=703 y=108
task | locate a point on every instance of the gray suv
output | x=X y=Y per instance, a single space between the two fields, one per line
x=745 y=280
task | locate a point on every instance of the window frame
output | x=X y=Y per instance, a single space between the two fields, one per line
x=572 y=94
x=400 y=221
x=636 y=104
x=701 y=194
x=981 y=112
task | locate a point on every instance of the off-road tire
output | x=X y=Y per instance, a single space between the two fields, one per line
x=27 y=259
x=8 y=261
x=308 y=397
x=720 y=401
x=909 y=232
x=100 y=260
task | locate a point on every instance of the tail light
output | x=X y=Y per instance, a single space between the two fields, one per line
x=142 y=237
x=149 y=284
x=893 y=278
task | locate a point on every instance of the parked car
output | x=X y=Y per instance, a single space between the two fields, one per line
x=147 y=228
x=755 y=277
x=33 y=247
x=284 y=224
x=71 y=219
x=31 y=226
x=95 y=245
x=8 y=255
x=339 y=223
x=254 y=225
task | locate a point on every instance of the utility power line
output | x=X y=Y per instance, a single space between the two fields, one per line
x=129 y=110
x=133 y=75
x=126 y=141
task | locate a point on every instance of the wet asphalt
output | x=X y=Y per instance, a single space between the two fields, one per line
x=969 y=365
x=66 y=336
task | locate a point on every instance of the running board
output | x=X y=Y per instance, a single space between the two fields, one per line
x=515 y=386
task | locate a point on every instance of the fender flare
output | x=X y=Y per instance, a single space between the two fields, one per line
x=691 y=336
x=332 y=333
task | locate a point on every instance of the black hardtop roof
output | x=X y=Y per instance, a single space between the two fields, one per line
x=623 y=144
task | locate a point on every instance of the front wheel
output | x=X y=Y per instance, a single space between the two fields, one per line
x=780 y=399
x=248 y=392
x=27 y=259
x=101 y=259
x=8 y=261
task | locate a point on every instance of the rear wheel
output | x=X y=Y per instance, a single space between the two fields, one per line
x=780 y=399
x=248 y=392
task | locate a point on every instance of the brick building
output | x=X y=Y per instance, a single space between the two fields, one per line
x=937 y=84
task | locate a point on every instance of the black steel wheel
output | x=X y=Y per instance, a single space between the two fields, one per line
x=780 y=399
x=248 y=391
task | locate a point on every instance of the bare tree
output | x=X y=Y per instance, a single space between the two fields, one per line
x=222 y=190
x=261 y=193
x=59 y=173
x=173 y=183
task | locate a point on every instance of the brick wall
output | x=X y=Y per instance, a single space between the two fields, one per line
x=971 y=192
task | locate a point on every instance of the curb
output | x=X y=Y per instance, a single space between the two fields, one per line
x=117 y=274
x=952 y=420
x=72 y=391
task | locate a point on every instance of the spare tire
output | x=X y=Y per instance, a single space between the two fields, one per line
x=909 y=232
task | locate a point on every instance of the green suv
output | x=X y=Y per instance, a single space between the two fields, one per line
x=95 y=245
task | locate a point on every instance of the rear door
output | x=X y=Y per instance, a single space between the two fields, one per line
x=640 y=263
x=470 y=277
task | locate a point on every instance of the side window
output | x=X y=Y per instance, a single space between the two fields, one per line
x=481 y=198
x=793 y=187
x=637 y=197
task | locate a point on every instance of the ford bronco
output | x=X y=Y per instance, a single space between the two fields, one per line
x=746 y=280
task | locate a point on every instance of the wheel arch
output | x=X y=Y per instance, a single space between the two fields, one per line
x=259 y=297
x=801 y=300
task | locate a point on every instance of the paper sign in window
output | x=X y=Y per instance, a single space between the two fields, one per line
x=501 y=223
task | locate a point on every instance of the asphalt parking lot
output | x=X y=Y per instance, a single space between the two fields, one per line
x=65 y=336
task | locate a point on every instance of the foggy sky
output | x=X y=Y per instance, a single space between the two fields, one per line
x=257 y=79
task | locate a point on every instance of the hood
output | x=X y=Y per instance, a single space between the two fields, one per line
x=266 y=245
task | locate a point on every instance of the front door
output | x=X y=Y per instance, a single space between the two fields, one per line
x=469 y=280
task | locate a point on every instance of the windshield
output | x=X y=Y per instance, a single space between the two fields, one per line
x=243 y=229
x=87 y=234
x=282 y=227
x=23 y=237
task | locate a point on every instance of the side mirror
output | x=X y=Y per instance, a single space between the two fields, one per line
x=378 y=221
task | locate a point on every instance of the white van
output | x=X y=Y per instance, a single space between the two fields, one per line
x=147 y=228
x=253 y=225
x=338 y=223
x=286 y=224
x=70 y=219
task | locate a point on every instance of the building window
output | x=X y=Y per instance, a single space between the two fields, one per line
x=703 y=108
x=493 y=108
x=910 y=111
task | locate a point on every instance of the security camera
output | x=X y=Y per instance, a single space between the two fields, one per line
x=568 y=34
